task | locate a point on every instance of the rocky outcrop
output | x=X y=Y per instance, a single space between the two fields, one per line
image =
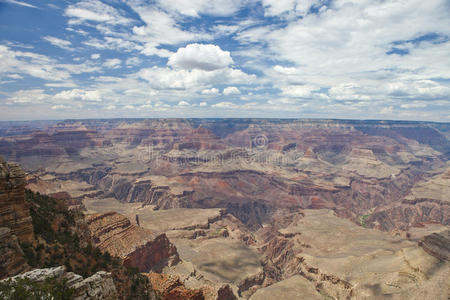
x=138 y=247
x=12 y=260
x=437 y=244
x=99 y=286
x=170 y=287
x=14 y=212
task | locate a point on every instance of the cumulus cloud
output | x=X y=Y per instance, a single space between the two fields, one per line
x=298 y=90
x=78 y=94
x=231 y=90
x=95 y=56
x=166 y=78
x=200 y=56
x=183 y=103
x=211 y=91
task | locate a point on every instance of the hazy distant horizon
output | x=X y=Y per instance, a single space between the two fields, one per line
x=223 y=118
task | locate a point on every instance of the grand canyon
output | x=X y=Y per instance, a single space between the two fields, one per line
x=237 y=208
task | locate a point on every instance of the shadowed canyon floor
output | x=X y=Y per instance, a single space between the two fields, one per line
x=324 y=208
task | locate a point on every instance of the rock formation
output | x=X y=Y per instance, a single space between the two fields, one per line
x=99 y=286
x=12 y=260
x=437 y=244
x=170 y=287
x=14 y=212
x=138 y=247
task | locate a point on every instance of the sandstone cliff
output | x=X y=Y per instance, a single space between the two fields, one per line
x=138 y=247
x=14 y=212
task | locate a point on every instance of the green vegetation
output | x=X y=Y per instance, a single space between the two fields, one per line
x=57 y=244
x=362 y=220
x=46 y=211
x=51 y=288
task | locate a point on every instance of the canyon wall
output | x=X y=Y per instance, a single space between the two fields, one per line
x=138 y=247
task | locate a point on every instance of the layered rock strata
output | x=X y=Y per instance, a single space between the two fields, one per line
x=14 y=212
x=437 y=244
x=138 y=247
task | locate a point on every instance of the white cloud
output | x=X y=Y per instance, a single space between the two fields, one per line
x=31 y=64
x=21 y=3
x=166 y=78
x=231 y=90
x=112 y=63
x=78 y=94
x=200 y=56
x=60 y=107
x=58 y=42
x=298 y=7
x=211 y=91
x=224 y=104
x=203 y=103
x=61 y=84
x=285 y=70
x=195 y=8
x=183 y=103
x=112 y=43
x=34 y=96
x=133 y=61
x=161 y=28
x=414 y=104
x=94 y=11
x=298 y=90
x=344 y=48
x=95 y=56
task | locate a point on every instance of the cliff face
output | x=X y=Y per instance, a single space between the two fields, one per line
x=138 y=247
x=14 y=212
x=12 y=260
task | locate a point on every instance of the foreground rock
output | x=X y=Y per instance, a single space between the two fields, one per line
x=96 y=287
x=138 y=247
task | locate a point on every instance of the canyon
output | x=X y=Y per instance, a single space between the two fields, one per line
x=244 y=208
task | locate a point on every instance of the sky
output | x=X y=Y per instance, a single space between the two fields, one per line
x=345 y=59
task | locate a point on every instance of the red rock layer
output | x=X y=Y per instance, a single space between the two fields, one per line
x=138 y=247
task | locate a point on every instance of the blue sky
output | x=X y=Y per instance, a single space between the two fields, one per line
x=360 y=59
